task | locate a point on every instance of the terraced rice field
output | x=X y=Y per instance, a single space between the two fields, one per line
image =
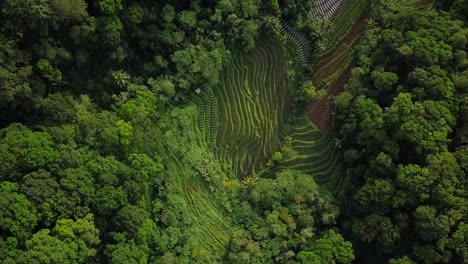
x=253 y=102
x=316 y=152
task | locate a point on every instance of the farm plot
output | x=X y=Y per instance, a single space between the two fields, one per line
x=299 y=41
x=320 y=111
x=329 y=64
x=207 y=115
x=325 y=8
x=342 y=20
x=253 y=102
x=315 y=152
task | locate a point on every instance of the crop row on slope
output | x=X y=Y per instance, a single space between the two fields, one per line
x=299 y=41
x=315 y=152
x=342 y=21
x=325 y=8
x=320 y=111
x=330 y=64
x=253 y=101
x=208 y=121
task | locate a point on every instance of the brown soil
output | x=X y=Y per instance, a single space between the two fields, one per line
x=321 y=110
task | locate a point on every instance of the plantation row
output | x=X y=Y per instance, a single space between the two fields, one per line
x=343 y=20
x=207 y=115
x=320 y=112
x=330 y=65
x=253 y=98
x=301 y=43
x=325 y=8
x=316 y=153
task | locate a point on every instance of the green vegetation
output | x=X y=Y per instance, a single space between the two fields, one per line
x=253 y=101
x=311 y=151
x=403 y=137
x=233 y=131
x=341 y=22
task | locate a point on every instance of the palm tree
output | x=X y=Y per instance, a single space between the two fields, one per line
x=250 y=181
x=371 y=23
x=273 y=25
x=121 y=78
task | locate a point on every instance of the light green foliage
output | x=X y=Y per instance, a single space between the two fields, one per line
x=431 y=83
x=331 y=248
x=188 y=19
x=18 y=217
x=168 y=13
x=110 y=7
x=283 y=216
x=70 y=10
x=25 y=150
x=274 y=5
x=344 y=100
x=164 y=87
x=427 y=50
x=403 y=260
x=249 y=7
x=41 y=188
x=445 y=170
x=111 y=28
x=249 y=34
x=48 y=71
x=136 y=13
x=70 y=242
x=372 y=122
x=28 y=9
x=377 y=195
x=457 y=242
x=196 y=64
x=377 y=228
x=415 y=181
x=416 y=120
x=384 y=81
x=109 y=198
x=430 y=225
x=126 y=252
x=137 y=104
x=125 y=131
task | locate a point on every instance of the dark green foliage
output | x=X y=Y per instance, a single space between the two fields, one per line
x=284 y=216
x=102 y=159
x=400 y=130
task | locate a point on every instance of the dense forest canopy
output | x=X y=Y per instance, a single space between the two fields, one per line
x=175 y=131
